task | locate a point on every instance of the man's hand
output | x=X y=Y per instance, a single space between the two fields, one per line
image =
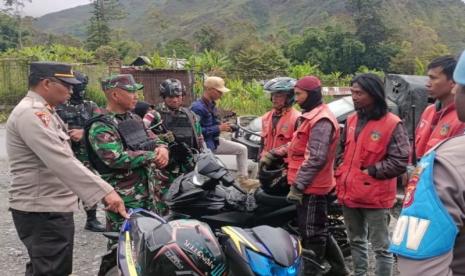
x=295 y=195
x=267 y=159
x=162 y=158
x=225 y=127
x=76 y=134
x=115 y=204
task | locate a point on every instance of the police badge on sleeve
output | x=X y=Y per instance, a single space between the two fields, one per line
x=44 y=117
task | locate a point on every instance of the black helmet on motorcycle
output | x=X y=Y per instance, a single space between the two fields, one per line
x=273 y=178
x=281 y=85
x=149 y=245
x=171 y=88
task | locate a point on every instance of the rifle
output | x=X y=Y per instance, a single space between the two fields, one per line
x=179 y=151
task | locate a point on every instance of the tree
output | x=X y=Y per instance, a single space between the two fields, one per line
x=99 y=31
x=331 y=48
x=14 y=8
x=127 y=50
x=9 y=35
x=209 y=62
x=208 y=38
x=10 y=3
x=420 y=46
x=179 y=47
x=106 y=53
x=259 y=62
x=372 y=32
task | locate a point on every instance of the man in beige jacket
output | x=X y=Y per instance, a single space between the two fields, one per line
x=46 y=177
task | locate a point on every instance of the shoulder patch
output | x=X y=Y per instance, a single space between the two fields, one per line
x=375 y=135
x=444 y=130
x=44 y=117
x=412 y=184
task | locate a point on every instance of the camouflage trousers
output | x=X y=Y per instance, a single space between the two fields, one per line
x=149 y=197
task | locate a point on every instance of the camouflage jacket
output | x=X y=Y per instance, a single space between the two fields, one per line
x=135 y=177
x=75 y=116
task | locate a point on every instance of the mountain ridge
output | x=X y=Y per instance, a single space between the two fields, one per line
x=152 y=22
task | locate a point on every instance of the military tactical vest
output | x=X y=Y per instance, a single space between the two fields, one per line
x=181 y=124
x=133 y=136
x=77 y=115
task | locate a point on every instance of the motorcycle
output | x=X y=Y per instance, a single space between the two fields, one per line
x=210 y=194
x=151 y=245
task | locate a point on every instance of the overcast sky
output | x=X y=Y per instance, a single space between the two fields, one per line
x=40 y=7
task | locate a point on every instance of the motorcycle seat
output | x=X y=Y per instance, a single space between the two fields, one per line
x=271 y=200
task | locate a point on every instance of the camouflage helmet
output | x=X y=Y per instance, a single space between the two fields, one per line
x=171 y=88
x=123 y=81
x=281 y=85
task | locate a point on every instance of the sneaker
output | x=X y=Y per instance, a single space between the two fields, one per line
x=248 y=184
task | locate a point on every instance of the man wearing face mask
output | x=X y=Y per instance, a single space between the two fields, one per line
x=278 y=125
x=311 y=154
x=376 y=152
x=75 y=113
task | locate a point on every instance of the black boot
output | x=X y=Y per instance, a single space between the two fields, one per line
x=315 y=266
x=335 y=258
x=109 y=265
x=92 y=223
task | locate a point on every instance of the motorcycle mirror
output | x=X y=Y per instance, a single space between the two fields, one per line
x=199 y=180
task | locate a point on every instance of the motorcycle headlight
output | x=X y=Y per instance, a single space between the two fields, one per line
x=262 y=265
x=255 y=138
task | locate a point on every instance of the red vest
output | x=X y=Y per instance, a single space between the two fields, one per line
x=356 y=189
x=447 y=125
x=297 y=152
x=282 y=134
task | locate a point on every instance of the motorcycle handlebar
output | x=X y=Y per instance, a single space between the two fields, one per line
x=238 y=127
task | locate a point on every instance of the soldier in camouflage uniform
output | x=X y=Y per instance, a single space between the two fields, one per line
x=124 y=152
x=176 y=125
x=75 y=113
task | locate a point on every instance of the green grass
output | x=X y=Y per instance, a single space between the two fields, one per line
x=4 y=116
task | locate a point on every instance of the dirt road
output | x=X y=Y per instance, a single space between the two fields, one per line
x=88 y=246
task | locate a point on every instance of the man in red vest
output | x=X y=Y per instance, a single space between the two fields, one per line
x=376 y=151
x=439 y=121
x=441 y=177
x=311 y=154
x=278 y=125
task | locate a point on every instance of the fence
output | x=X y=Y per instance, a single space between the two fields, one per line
x=13 y=81
x=153 y=78
x=14 y=78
